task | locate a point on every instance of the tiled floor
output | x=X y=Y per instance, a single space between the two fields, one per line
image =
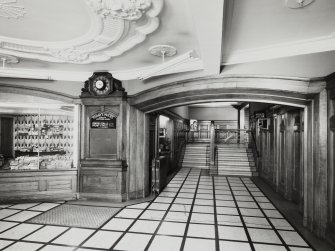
x=194 y=212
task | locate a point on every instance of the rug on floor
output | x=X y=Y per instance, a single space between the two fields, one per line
x=76 y=216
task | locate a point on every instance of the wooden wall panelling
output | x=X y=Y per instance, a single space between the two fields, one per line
x=38 y=185
x=331 y=161
x=137 y=154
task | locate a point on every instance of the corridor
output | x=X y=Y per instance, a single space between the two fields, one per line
x=194 y=212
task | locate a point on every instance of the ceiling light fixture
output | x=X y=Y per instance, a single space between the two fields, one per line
x=165 y=51
x=298 y=4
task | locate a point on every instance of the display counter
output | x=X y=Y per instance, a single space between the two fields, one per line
x=52 y=184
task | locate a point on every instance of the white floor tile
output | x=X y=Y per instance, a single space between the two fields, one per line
x=180 y=207
x=159 y=206
x=183 y=201
x=203 y=202
x=133 y=242
x=266 y=206
x=166 y=243
x=263 y=247
x=225 y=203
x=235 y=246
x=273 y=214
x=256 y=222
x=4 y=243
x=230 y=220
x=5 y=225
x=102 y=239
x=177 y=216
x=58 y=248
x=203 y=209
x=7 y=212
x=163 y=200
x=172 y=228
x=251 y=212
x=223 y=197
x=20 y=246
x=5 y=205
x=118 y=224
x=144 y=226
x=44 y=207
x=292 y=238
x=232 y=233
x=129 y=213
x=193 y=244
x=19 y=231
x=23 y=216
x=74 y=236
x=263 y=235
x=300 y=249
x=227 y=210
x=247 y=204
x=201 y=230
x=152 y=215
x=281 y=224
x=46 y=234
x=24 y=205
x=202 y=218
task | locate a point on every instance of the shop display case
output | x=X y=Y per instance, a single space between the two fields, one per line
x=39 y=154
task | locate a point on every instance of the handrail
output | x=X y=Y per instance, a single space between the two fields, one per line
x=254 y=143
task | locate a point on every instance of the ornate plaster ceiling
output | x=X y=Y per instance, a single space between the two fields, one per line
x=115 y=26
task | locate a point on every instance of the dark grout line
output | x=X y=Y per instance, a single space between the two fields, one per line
x=295 y=229
x=167 y=211
x=242 y=220
x=182 y=246
x=269 y=221
x=217 y=243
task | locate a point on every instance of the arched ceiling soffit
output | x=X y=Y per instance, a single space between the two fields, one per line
x=116 y=26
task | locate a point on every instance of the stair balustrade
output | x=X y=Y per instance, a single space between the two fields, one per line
x=231 y=136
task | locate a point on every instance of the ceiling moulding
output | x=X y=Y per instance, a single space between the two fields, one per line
x=192 y=64
x=116 y=27
x=295 y=48
x=10 y=9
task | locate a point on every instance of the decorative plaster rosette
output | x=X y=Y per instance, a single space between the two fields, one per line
x=114 y=30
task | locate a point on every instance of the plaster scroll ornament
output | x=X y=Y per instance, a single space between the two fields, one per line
x=10 y=9
x=116 y=27
x=124 y=9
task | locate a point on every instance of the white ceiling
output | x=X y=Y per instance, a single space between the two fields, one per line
x=261 y=37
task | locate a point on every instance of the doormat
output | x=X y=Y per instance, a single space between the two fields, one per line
x=76 y=216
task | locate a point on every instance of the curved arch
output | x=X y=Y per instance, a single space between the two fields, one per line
x=288 y=91
x=38 y=92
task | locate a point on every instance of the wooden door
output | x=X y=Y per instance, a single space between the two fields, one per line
x=6 y=140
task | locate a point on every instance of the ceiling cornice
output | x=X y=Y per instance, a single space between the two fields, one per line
x=294 y=48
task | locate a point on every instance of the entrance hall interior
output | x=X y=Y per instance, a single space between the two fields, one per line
x=167 y=125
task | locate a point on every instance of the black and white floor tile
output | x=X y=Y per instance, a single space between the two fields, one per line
x=194 y=212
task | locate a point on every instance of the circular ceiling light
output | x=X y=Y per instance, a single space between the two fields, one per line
x=298 y=4
x=163 y=51
x=8 y=59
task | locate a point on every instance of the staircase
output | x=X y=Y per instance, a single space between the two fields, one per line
x=196 y=156
x=235 y=160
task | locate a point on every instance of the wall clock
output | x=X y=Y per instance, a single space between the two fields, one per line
x=101 y=84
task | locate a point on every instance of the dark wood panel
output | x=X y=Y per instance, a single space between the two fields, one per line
x=38 y=185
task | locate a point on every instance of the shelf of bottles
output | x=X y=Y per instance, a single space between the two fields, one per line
x=43 y=142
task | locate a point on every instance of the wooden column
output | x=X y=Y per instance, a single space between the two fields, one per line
x=315 y=168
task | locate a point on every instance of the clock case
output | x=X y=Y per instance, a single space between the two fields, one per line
x=115 y=85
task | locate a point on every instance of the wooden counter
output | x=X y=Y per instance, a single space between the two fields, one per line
x=49 y=184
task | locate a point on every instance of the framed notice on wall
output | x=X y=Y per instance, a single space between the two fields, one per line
x=103 y=120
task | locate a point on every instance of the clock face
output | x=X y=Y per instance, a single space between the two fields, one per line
x=101 y=85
